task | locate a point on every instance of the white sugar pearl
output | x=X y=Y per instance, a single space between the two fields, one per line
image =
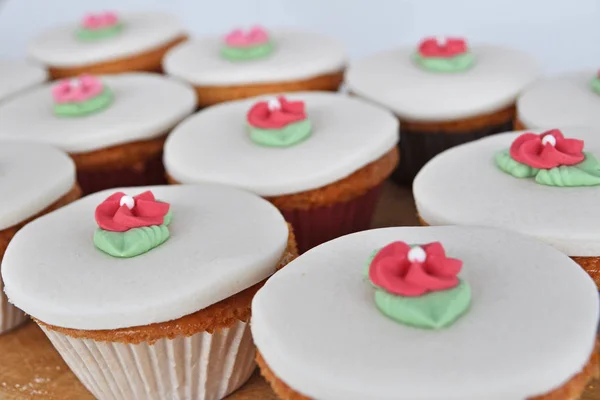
x=417 y=254
x=75 y=82
x=128 y=201
x=441 y=40
x=274 y=104
x=549 y=139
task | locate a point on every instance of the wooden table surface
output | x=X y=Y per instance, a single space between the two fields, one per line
x=31 y=369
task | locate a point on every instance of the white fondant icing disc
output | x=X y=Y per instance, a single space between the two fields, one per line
x=214 y=145
x=563 y=101
x=18 y=76
x=145 y=106
x=531 y=325
x=463 y=186
x=223 y=241
x=297 y=55
x=32 y=177
x=142 y=32
x=395 y=81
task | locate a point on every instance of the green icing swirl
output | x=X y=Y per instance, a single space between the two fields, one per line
x=247 y=53
x=133 y=242
x=91 y=106
x=595 y=84
x=285 y=137
x=434 y=310
x=586 y=173
x=507 y=164
x=458 y=63
x=90 y=35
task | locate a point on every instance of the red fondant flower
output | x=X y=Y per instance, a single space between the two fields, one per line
x=276 y=113
x=413 y=271
x=442 y=47
x=120 y=212
x=547 y=150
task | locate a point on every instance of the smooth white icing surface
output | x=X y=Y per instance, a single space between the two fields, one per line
x=395 y=81
x=463 y=186
x=531 y=325
x=32 y=177
x=223 y=241
x=566 y=100
x=214 y=146
x=145 y=106
x=142 y=32
x=297 y=55
x=18 y=76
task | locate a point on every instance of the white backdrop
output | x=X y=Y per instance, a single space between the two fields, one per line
x=563 y=34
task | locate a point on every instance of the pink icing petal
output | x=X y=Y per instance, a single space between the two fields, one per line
x=417 y=276
x=391 y=270
x=100 y=21
x=573 y=147
x=430 y=47
x=147 y=195
x=434 y=249
x=260 y=116
x=104 y=216
x=442 y=266
x=394 y=282
x=254 y=37
x=131 y=219
x=529 y=149
x=111 y=216
x=60 y=92
x=151 y=209
x=111 y=18
x=77 y=90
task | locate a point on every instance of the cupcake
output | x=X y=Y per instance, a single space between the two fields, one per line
x=543 y=184
x=107 y=43
x=249 y=63
x=569 y=100
x=444 y=92
x=35 y=179
x=428 y=313
x=146 y=292
x=114 y=127
x=320 y=157
x=18 y=76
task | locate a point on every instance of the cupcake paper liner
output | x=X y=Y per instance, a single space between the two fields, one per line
x=146 y=174
x=10 y=316
x=203 y=366
x=417 y=148
x=318 y=225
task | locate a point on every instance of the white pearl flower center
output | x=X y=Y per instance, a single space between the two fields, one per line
x=549 y=139
x=75 y=83
x=274 y=104
x=127 y=201
x=417 y=254
x=441 y=41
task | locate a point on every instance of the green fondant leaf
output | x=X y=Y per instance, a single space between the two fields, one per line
x=596 y=85
x=452 y=64
x=132 y=242
x=507 y=164
x=247 y=53
x=368 y=266
x=167 y=219
x=90 y=106
x=586 y=173
x=90 y=35
x=284 y=137
x=434 y=310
